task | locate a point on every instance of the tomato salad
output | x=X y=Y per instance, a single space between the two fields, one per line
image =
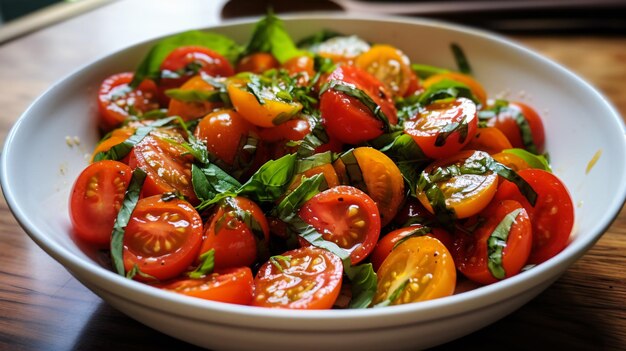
x=328 y=173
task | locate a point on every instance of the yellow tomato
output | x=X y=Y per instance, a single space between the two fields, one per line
x=268 y=112
x=390 y=65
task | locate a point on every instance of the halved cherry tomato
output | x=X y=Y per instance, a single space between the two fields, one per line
x=347 y=119
x=476 y=88
x=467 y=193
x=234 y=285
x=117 y=137
x=552 y=217
x=388 y=242
x=490 y=140
x=116 y=99
x=428 y=127
x=390 y=65
x=189 y=110
x=257 y=62
x=330 y=175
x=305 y=278
x=225 y=132
x=294 y=129
x=346 y=216
x=301 y=65
x=506 y=121
x=234 y=242
x=167 y=164
x=96 y=198
x=418 y=269
x=472 y=251
x=270 y=111
x=342 y=48
x=162 y=237
x=381 y=178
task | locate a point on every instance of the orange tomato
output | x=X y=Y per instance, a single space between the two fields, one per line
x=390 y=65
x=490 y=140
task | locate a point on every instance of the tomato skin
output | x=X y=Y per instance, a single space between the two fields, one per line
x=348 y=120
x=257 y=62
x=422 y=263
x=162 y=237
x=311 y=280
x=490 y=140
x=302 y=65
x=115 y=96
x=194 y=109
x=505 y=121
x=471 y=252
x=234 y=243
x=235 y=285
x=427 y=125
x=346 y=216
x=552 y=217
x=96 y=197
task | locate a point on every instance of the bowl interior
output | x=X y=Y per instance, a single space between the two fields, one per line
x=50 y=144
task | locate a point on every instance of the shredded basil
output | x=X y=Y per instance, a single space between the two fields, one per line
x=461 y=60
x=206 y=266
x=446 y=89
x=195 y=95
x=289 y=205
x=314 y=139
x=497 y=242
x=269 y=182
x=306 y=163
x=425 y=71
x=353 y=170
x=277 y=259
x=269 y=35
x=394 y=295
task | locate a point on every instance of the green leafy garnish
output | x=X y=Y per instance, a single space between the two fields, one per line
x=269 y=182
x=497 y=242
x=461 y=60
x=446 y=89
x=207 y=263
x=196 y=95
x=534 y=161
x=277 y=259
x=269 y=35
x=425 y=71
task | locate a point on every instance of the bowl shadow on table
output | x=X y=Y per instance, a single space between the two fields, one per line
x=109 y=329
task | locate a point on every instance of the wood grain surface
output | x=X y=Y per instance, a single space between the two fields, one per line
x=42 y=307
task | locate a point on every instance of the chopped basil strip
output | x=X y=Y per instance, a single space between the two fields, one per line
x=446 y=89
x=525 y=132
x=418 y=231
x=314 y=139
x=362 y=96
x=534 y=161
x=210 y=181
x=437 y=200
x=207 y=263
x=425 y=71
x=306 y=163
x=461 y=60
x=448 y=129
x=394 y=295
x=123 y=216
x=269 y=35
x=195 y=95
x=353 y=170
x=277 y=259
x=289 y=205
x=136 y=271
x=497 y=242
x=246 y=217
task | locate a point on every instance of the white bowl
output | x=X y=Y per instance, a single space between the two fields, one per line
x=39 y=167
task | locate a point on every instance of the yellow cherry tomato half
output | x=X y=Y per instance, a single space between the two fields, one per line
x=390 y=65
x=490 y=140
x=418 y=269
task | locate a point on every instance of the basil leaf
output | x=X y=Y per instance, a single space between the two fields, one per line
x=394 y=295
x=269 y=35
x=314 y=139
x=534 y=161
x=211 y=184
x=119 y=151
x=306 y=163
x=425 y=71
x=277 y=259
x=353 y=170
x=445 y=89
x=123 y=216
x=207 y=263
x=418 y=231
x=195 y=95
x=269 y=182
x=247 y=218
x=461 y=127
x=289 y=205
x=497 y=242
x=150 y=66
x=461 y=60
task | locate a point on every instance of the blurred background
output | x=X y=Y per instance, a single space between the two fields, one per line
x=608 y=17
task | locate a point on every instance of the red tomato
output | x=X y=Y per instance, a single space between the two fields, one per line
x=96 y=198
x=302 y=65
x=427 y=127
x=234 y=242
x=258 y=63
x=294 y=129
x=234 y=285
x=346 y=216
x=347 y=119
x=167 y=164
x=116 y=99
x=552 y=217
x=472 y=252
x=385 y=245
x=506 y=122
x=162 y=237
x=305 y=278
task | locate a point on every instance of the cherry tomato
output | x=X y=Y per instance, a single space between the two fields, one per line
x=390 y=65
x=234 y=285
x=167 y=164
x=301 y=65
x=118 y=136
x=162 y=237
x=472 y=252
x=467 y=193
x=341 y=49
x=186 y=61
x=225 y=132
x=476 y=88
x=415 y=85
x=116 y=100
x=506 y=121
x=235 y=243
x=330 y=175
x=552 y=217
x=428 y=127
x=347 y=119
x=96 y=198
x=294 y=129
x=418 y=269
x=490 y=140
x=305 y=278
x=382 y=179
x=346 y=216
x=257 y=62
x=385 y=245
x=189 y=110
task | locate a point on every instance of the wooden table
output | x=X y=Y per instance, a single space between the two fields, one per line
x=43 y=308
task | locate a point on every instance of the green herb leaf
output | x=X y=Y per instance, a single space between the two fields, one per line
x=195 y=95
x=497 y=242
x=394 y=295
x=446 y=89
x=207 y=263
x=269 y=182
x=288 y=207
x=277 y=259
x=534 y=161
x=306 y=163
x=318 y=38
x=211 y=184
x=123 y=216
x=353 y=170
x=425 y=71
x=269 y=35
x=461 y=60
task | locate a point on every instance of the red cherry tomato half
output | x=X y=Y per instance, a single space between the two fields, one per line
x=96 y=198
x=162 y=237
x=234 y=285
x=428 y=127
x=552 y=217
x=116 y=99
x=347 y=119
x=305 y=278
x=472 y=250
x=506 y=121
x=346 y=216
